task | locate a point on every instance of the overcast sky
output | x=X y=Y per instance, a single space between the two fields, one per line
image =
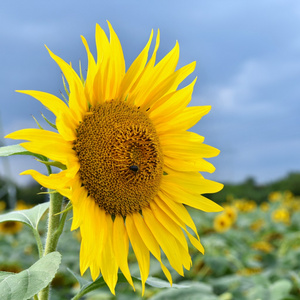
x=248 y=68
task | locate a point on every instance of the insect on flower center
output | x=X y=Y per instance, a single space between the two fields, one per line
x=121 y=162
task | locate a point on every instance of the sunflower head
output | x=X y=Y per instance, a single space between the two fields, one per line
x=10 y=227
x=222 y=222
x=130 y=164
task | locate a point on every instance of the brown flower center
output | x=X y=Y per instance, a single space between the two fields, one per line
x=121 y=162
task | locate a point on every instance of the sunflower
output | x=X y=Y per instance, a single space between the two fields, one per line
x=131 y=166
x=222 y=222
x=10 y=227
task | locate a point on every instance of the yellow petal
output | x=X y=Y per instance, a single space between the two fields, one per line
x=150 y=242
x=103 y=77
x=91 y=71
x=66 y=127
x=169 y=224
x=165 y=239
x=135 y=70
x=109 y=266
x=181 y=196
x=187 y=165
x=167 y=85
x=185 y=120
x=150 y=82
x=118 y=61
x=100 y=223
x=88 y=251
x=172 y=104
x=53 y=181
x=121 y=246
x=176 y=209
x=47 y=143
x=177 y=219
x=78 y=199
x=140 y=250
x=53 y=103
x=194 y=182
x=77 y=100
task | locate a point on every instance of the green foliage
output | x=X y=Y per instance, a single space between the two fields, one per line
x=30 y=217
x=29 y=282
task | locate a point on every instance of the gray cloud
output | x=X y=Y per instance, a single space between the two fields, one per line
x=248 y=67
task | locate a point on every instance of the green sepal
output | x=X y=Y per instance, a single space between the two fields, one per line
x=65 y=99
x=56 y=164
x=19 y=150
x=65 y=210
x=37 y=123
x=50 y=123
x=65 y=86
x=80 y=73
x=165 y=173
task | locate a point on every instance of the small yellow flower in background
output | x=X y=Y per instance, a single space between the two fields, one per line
x=239 y=204
x=10 y=267
x=250 y=205
x=10 y=227
x=275 y=196
x=2 y=206
x=22 y=205
x=257 y=224
x=288 y=195
x=281 y=215
x=244 y=205
x=222 y=222
x=294 y=204
x=250 y=271
x=131 y=166
x=264 y=206
x=231 y=213
x=263 y=246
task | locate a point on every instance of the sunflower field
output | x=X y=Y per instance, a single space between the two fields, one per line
x=252 y=251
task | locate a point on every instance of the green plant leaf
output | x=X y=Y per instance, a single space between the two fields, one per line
x=82 y=282
x=18 y=150
x=29 y=282
x=3 y=275
x=159 y=283
x=88 y=286
x=30 y=217
x=280 y=289
x=194 y=292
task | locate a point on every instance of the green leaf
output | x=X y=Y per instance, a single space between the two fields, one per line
x=30 y=217
x=280 y=289
x=29 y=282
x=18 y=150
x=3 y=275
x=81 y=280
x=195 y=291
x=88 y=286
x=159 y=283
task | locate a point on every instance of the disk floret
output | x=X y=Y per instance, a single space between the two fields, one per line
x=121 y=162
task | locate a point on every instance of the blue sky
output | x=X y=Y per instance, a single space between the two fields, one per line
x=248 y=68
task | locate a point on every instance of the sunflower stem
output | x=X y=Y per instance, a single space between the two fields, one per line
x=38 y=242
x=53 y=233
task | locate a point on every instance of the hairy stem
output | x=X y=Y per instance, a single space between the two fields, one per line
x=38 y=242
x=53 y=233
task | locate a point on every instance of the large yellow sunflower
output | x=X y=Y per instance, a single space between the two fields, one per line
x=131 y=164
